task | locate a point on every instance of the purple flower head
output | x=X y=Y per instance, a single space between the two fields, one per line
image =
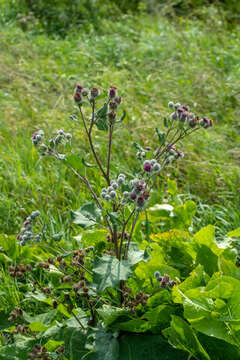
x=186 y=108
x=112 y=92
x=180 y=110
x=79 y=88
x=147 y=167
x=133 y=196
x=147 y=149
x=94 y=93
x=140 y=187
x=77 y=97
x=192 y=123
x=180 y=153
x=113 y=105
x=140 y=200
x=183 y=116
x=174 y=115
x=166 y=278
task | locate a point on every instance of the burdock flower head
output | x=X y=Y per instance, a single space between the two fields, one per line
x=112 y=92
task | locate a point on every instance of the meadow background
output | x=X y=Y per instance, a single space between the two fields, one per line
x=153 y=52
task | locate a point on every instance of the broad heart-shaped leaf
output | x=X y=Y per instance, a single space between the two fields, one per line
x=88 y=215
x=207 y=249
x=17 y=351
x=109 y=271
x=45 y=318
x=74 y=340
x=111 y=314
x=217 y=349
x=159 y=317
x=182 y=336
x=135 y=255
x=147 y=347
x=105 y=347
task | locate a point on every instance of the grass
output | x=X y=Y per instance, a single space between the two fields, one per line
x=151 y=61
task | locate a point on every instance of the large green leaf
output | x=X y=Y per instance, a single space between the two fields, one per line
x=207 y=249
x=105 y=347
x=234 y=233
x=88 y=215
x=109 y=271
x=182 y=336
x=17 y=351
x=135 y=255
x=159 y=317
x=148 y=347
x=217 y=349
x=75 y=339
x=111 y=314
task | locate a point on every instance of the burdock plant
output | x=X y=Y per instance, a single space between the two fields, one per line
x=121 y=200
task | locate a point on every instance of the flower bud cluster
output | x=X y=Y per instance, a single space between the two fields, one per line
x=37 y=137
x=14 y=314
x=20 y=329
x=81 y=285
x=110 y=193
x=138 y=194
x=140 y=155
x=19 y=270
x=165 y=281
x=39 y=352
x=151 y=166
x=113 y=103
x=133 y=301
x=60 y=138
x=173 y=153
x=26 y=233
x=185 y=117
x=81 y=92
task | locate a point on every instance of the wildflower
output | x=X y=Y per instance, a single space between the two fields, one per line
x=94 y=93
x=77 y=98
x=112 y=92
x=147 y=167
x=170 y=104
x=133 y=196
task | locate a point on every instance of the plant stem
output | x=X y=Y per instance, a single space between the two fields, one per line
x=86 y=182
x=131 y=233
x=123 y=232
x=109 y=149
x=92 y=146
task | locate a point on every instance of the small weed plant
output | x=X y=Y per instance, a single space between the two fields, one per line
x=122 y=289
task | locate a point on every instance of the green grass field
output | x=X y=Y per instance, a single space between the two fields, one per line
x=111 y=296
x=151 y=61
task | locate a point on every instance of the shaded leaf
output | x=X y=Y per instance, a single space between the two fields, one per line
x=109 y=271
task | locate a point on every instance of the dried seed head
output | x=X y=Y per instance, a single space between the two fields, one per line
x=28 y=267
x=82 y=283
x=85 y=289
